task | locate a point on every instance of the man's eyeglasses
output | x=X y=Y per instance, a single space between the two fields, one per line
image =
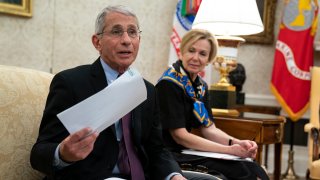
x=117 y=33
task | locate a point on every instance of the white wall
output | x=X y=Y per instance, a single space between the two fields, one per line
x=58 y=36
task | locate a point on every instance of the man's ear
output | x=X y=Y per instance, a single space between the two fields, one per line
x=96 y=42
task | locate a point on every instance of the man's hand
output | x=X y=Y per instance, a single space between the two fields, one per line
x=77 y=146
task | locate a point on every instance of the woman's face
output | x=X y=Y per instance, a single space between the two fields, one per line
x=196 y=57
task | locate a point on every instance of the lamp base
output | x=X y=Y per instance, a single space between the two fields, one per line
x=222 y=97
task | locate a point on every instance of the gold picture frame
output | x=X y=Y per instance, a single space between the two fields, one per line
x=16 y=7
x=267 y=9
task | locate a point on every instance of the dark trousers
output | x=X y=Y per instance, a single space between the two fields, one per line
x=224 y=169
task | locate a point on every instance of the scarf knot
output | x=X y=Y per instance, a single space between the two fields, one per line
x=182 y=80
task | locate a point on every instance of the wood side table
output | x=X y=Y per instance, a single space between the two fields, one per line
x=263 y=129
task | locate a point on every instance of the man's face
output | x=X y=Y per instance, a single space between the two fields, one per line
x=119 y=42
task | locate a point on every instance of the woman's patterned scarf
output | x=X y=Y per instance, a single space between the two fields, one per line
x=182 y=80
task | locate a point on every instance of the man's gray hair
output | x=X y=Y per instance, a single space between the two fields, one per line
x=100 y=21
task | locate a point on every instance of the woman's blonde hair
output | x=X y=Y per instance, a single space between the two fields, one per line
x=197 y=34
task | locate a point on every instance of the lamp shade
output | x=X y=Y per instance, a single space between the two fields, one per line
x=229 y=17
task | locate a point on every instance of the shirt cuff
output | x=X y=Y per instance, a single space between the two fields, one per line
x=57 y=162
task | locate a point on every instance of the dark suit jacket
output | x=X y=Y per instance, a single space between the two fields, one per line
x=74 y=85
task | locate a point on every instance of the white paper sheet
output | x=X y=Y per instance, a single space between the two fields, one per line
x=107 y=106
x=214 y=155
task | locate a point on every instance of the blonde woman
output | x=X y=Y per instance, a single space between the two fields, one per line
x=183 y=98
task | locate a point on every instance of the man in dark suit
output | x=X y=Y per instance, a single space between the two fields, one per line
x=89 y=155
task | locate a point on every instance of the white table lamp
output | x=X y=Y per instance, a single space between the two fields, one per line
x=227 y=19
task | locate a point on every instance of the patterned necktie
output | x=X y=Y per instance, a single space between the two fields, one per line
x=129 y=162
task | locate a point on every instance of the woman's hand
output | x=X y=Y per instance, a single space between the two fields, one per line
x=246 y=148
x=178 y=177
x=250 y=146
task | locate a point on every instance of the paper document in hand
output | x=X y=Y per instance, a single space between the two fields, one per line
x=104 y=108
x=214 y=155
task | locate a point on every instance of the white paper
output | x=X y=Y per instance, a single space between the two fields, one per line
x=214 y=155
x=107 y=106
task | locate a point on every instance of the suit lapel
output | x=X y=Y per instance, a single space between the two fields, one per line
x=99 y=81
x=98 y=77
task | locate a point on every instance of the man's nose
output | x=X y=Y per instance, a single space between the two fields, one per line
x=125 y=36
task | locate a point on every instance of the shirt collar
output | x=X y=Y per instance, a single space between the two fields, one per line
x=110 y=73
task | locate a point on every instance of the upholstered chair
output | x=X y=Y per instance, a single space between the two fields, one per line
x=22 y=99
x=313 y=126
